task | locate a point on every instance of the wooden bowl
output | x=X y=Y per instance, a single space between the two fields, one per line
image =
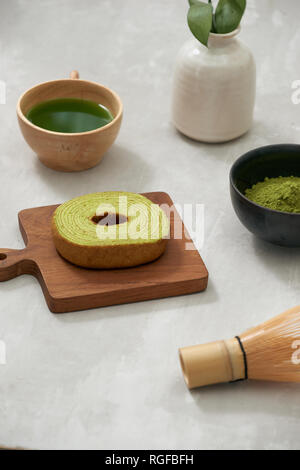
x=70 y=151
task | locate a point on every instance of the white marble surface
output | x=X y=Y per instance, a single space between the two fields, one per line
x=110 y=378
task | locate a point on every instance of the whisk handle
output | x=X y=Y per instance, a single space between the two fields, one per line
x=212 y=363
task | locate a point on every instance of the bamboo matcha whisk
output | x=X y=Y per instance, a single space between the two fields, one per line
x=270 y=351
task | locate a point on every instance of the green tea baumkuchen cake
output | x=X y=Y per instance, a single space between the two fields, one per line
x=110 y=230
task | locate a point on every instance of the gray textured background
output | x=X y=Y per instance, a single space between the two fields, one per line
x=110 y=378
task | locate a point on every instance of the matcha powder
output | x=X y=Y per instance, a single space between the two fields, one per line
x=281 y=194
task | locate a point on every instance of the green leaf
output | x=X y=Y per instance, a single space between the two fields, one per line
x=195 y=2
x=228 y=15
x=200 y=20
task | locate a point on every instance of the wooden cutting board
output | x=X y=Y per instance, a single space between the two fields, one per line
x=69 y=288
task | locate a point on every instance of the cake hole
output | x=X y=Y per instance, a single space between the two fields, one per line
x=109 y=219
x=3 y=256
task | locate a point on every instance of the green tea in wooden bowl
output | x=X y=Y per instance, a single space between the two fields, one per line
x=70 y=123
x=69 y=115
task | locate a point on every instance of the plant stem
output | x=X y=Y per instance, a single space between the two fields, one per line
x=213 y=27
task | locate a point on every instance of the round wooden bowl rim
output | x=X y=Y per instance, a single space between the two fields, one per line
x=94 y=131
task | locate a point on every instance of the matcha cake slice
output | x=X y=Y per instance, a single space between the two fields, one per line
x=110 y=230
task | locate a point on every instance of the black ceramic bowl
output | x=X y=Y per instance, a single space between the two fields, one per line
x=282 y=228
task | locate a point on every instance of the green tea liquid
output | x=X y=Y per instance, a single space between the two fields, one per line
x=69 y=115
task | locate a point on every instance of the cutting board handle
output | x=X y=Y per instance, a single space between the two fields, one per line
x=13 y=263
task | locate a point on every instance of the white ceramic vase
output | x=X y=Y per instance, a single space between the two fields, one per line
x=214 y=89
